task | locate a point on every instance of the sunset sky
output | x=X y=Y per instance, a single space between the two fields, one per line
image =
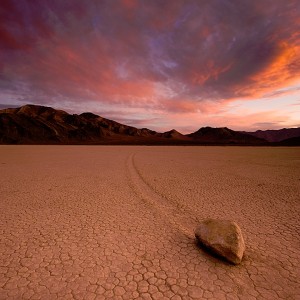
x=159 y=64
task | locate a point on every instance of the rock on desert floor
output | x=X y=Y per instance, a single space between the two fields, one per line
x=117 y=222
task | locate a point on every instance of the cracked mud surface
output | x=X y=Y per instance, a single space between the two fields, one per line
x=102 y=222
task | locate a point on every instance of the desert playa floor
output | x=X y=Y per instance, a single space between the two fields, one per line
x=117 y=222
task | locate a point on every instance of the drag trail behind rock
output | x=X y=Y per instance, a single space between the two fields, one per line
x=164 y=208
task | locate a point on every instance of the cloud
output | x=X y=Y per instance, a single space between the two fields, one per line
x=3 y=106
x=249 y=121
x=172 y=56
x=282 y=92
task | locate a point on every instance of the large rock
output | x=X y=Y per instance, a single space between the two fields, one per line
x=222 y=237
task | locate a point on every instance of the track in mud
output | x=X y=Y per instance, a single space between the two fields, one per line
x=162 y=206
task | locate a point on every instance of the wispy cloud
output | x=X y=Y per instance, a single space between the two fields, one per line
x=166 y=56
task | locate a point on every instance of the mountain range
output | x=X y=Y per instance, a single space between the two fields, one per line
x=277 y=135
x=34 y=124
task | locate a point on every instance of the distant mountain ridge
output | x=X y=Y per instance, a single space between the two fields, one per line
x=224 y=135
x=276 y=135
x=34 y=124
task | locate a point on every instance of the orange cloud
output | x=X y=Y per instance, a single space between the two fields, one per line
x=183 y=106
x=282 y=71
x=212 y=72
x=195 y=58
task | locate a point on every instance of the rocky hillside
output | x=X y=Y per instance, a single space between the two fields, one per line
x=33 y=124
x=38 y=124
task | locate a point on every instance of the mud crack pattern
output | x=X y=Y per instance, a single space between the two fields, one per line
x=81 y=222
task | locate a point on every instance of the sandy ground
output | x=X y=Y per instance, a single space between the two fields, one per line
x=117 y=222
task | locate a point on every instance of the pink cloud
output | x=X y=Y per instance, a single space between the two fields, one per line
x=194 y=59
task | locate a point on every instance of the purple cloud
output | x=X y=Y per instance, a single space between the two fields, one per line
x=168 y=55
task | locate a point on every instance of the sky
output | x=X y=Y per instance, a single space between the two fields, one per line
x=159 y=64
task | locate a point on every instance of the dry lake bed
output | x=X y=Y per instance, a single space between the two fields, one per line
x=117 y=222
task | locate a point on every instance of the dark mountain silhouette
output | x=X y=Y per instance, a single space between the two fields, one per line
x=38 y=124
x=294 y=141
x=224 y=135
x=173 y=134
x=276 y=135
x=33 y=124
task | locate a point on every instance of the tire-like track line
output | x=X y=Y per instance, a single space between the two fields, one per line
x=160 y=205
